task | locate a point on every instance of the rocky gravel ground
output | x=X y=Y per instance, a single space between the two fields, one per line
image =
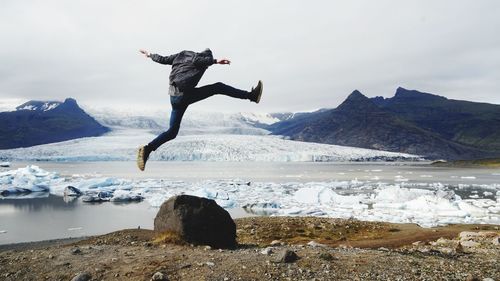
x=270 y=249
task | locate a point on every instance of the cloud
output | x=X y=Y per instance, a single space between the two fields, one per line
x=309 y=54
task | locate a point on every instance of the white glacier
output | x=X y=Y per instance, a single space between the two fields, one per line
x=204 y=136
x=121 y=145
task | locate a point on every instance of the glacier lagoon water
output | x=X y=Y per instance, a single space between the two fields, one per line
x=193 y=171
x=375 y=191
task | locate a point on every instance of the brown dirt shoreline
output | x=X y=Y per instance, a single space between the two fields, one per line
x=342 y=250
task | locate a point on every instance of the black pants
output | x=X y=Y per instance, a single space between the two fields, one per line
x=181 y=103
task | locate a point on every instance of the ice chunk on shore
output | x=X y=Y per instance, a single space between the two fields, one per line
x=4 y=164
x=398 y=194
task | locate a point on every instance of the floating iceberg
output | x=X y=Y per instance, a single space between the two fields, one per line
x=72 y=191
x=126 y=196
x=25 y=180
x=102 y=183
x=7 y=191
x=262 y=208
x=324 y=195
x=96 y=197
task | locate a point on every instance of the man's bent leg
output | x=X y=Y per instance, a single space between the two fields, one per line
x=171 y=133
x=201 y=93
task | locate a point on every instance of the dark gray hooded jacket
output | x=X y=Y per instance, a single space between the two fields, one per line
x=187 y=67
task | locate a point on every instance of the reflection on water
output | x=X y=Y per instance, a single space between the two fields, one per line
x=44 y=202
x=276 y=171
x=57 y=217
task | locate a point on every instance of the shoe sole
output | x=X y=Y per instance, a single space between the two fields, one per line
x=140 y=158
x=260 y=92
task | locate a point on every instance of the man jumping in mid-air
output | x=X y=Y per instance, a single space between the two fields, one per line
x=187 y=69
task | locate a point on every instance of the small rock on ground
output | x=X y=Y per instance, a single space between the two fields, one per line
x=469 y=243
x=276 y=243
x=84 y=276
x=287 y=256
x=267 y=251
x=159 y=276
x=76 y=251
x=315 y=244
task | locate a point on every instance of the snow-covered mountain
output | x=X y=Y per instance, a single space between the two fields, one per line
x=41 y=122
x=39 y=105
x=129 y=120
x=193 y=123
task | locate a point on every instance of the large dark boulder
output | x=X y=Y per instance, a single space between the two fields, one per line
x=197 y=220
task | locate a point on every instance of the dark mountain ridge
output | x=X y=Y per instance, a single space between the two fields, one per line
x=468 y=123
x=41 y=122
x=394 y=124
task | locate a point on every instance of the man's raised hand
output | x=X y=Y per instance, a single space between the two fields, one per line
x=224 y=61
x=144 y=52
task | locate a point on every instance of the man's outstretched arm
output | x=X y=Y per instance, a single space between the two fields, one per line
x=223 y=61
x=159 y=59
x=210 y=61
x=206 y=58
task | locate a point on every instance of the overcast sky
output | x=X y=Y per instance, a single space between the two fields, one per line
x=309 y=54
